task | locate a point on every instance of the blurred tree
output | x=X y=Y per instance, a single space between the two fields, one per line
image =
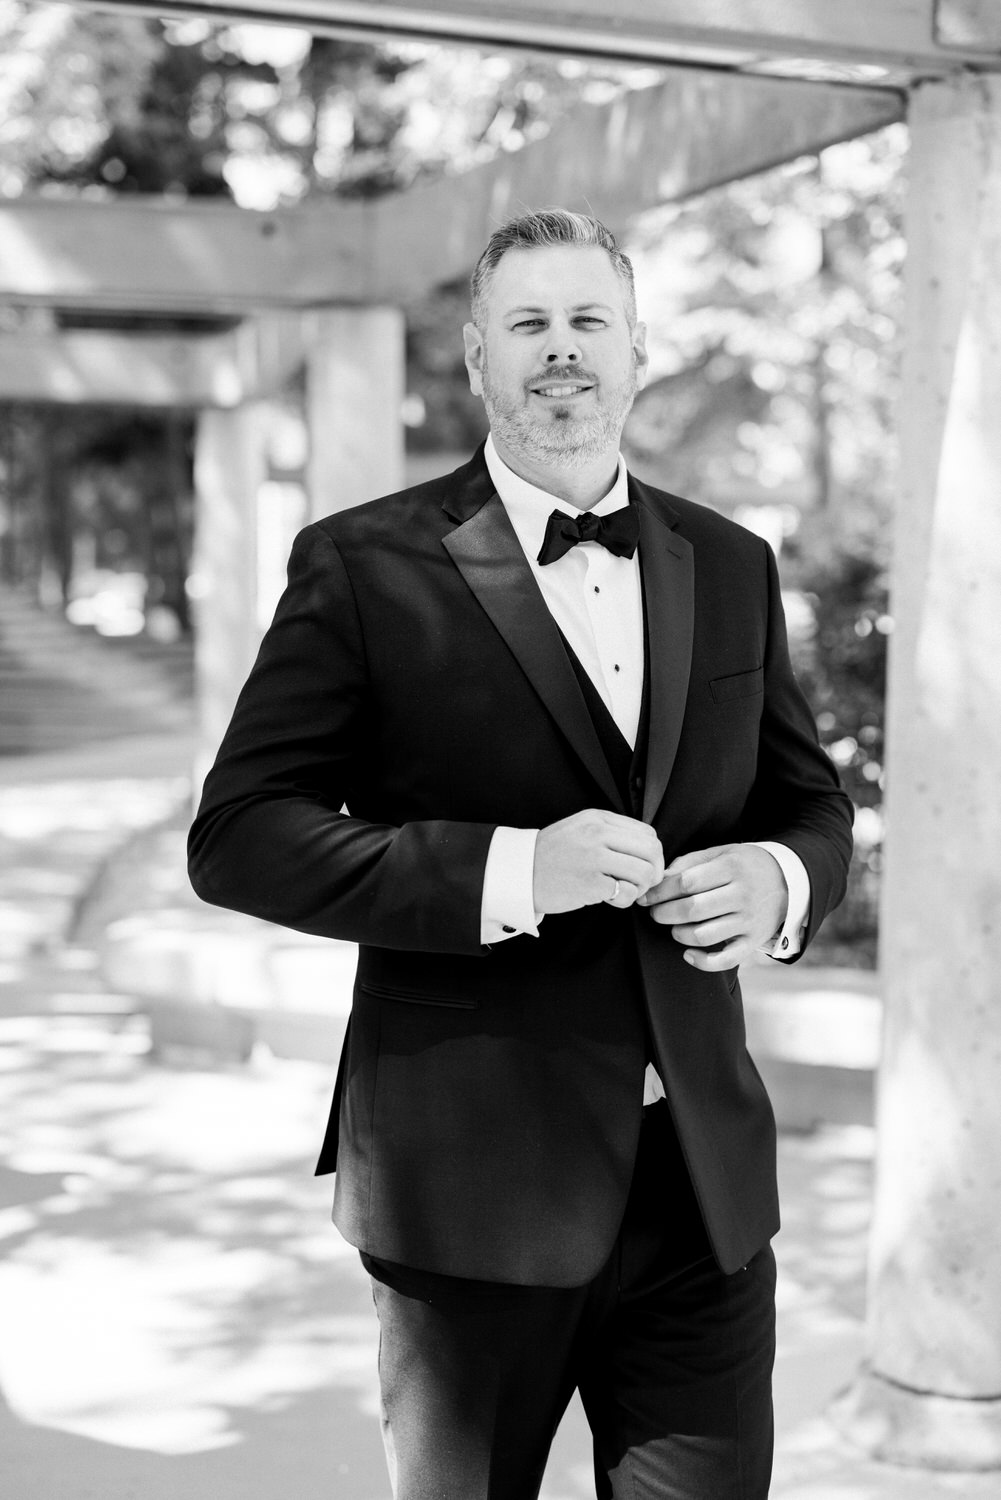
x=266 y=114
x=20 y=444
x=132 y=499
x=64 y=77
x=774 y=311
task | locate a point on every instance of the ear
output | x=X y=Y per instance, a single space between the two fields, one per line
x=473 y=341
x=641 y=358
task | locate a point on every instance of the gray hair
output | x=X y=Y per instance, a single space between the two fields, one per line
x=548 y=226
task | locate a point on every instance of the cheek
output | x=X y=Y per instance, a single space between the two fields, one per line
x=508 y=368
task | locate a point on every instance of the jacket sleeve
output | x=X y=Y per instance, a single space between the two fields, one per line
x=272 y=838
x=797 y=798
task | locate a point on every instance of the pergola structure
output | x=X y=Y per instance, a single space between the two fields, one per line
x=751 y=83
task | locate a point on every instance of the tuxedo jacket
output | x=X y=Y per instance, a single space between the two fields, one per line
x=412 y=694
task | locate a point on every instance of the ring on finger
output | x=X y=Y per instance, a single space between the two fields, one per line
x=615 y=888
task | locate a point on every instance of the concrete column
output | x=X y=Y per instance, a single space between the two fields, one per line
x=931 y=1393
x=354 y=394
x=231 y=466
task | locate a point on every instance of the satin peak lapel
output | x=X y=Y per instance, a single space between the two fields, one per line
x=668 y=565
x=486 y=550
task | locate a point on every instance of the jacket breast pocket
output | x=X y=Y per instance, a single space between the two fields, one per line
x=738 y=685
x=417 y=997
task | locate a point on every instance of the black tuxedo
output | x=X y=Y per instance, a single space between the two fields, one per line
x=488 y=1103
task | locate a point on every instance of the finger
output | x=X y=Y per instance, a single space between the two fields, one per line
x=721 y=902
x=712 y=875
x=623 y=895
x=716 y=872
x=622 y=832
x=697 y=857
x=639 y=872
x=710 y=934
x=614 y=819
x=702 y=870
x=727 y=957
x=638 y=839
x=623 y=823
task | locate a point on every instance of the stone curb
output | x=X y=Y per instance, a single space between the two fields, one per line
x=220 y=984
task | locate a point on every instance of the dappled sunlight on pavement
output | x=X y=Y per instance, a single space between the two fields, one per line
x=54 y=837
x=171 y=1276
x=178 y=1314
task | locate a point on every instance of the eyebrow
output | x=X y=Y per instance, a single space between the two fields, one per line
x=580 y=307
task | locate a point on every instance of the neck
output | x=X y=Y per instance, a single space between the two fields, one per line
x=582 y=486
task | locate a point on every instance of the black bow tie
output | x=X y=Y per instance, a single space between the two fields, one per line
x=619 y=532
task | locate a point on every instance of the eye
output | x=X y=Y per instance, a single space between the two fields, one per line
x=529 y=323
x=590 y=320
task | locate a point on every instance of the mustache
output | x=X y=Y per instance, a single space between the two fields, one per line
x=563 y=375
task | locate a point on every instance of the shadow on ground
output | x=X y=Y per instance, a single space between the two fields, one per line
x=173 y=1291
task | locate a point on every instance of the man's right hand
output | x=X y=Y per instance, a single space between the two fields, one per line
x=579 y=860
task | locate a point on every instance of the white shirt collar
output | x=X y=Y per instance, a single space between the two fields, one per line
x=529 y=507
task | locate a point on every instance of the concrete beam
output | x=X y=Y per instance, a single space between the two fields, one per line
x=895 y=34
x=648 y=147
x=146 y=254
x=151 y=370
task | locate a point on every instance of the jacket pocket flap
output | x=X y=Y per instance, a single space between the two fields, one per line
x=737 y=685
x=416 y=997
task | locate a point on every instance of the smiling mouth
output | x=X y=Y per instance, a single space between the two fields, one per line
x=559 y=392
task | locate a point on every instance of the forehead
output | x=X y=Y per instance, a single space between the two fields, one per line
x=555 y=275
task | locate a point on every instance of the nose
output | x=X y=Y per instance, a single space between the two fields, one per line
x=562 y=345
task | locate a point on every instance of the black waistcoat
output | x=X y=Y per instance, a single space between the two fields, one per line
x=628 y=767
x=627 y=764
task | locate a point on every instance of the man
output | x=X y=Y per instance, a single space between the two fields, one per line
x=557 y=780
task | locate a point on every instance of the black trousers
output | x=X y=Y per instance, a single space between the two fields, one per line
x=673 y=1360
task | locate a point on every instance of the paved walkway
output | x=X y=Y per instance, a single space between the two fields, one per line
x=177 y=1316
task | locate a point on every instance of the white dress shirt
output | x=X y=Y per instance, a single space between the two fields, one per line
x=596 y=599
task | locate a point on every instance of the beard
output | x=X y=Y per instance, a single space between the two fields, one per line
x=560 y=437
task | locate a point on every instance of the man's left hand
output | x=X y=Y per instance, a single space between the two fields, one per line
x=730 y=899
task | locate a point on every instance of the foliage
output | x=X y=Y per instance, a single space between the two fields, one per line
x=64 y=75
x=840 y=660
x=774 y=312
x=263 y=113
x=773 y=309
x=451 y=419
x=97 y=490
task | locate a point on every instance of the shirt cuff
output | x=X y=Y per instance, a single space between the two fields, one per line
x=506 y=908
x=788 y=941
